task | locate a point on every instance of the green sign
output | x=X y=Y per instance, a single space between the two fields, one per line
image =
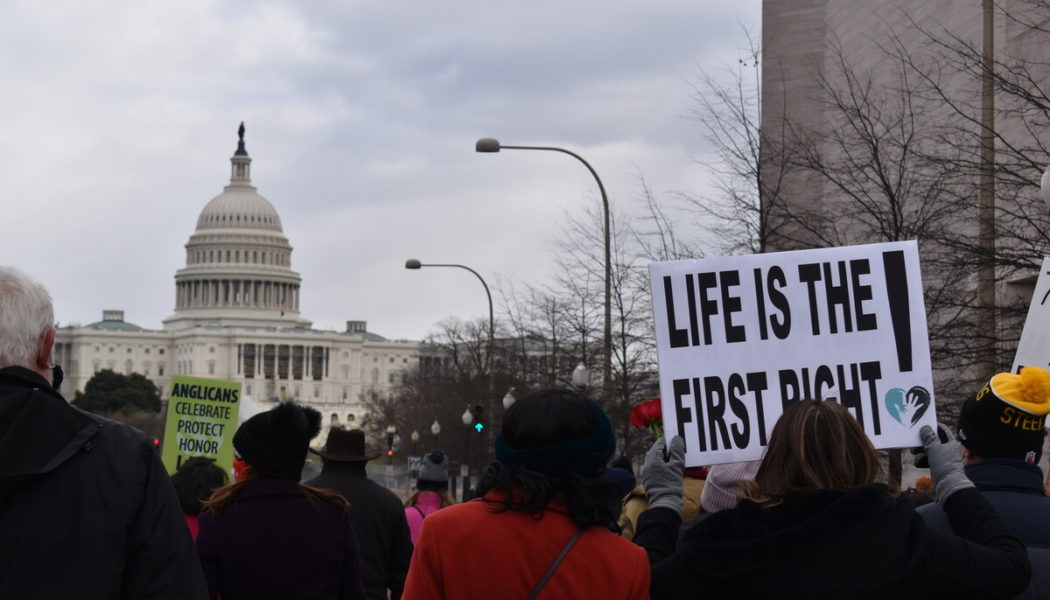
x=202 y=418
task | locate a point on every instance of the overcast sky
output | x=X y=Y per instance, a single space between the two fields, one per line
x=118 y=119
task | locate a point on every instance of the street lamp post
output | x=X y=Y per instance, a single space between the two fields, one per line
x=468 y=418
x=493 y=145
x=415 y=451
x=413 y=263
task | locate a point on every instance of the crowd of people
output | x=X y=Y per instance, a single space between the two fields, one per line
x=87 y=510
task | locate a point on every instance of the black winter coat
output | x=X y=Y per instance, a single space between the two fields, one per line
x=832 y=544
x=274 y=542
x=86 y=508
x=1015 y=489
x=379 y=522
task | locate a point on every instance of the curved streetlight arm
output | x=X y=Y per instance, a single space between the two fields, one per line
x=492 y=145
x=415 y=264
x=601 y=187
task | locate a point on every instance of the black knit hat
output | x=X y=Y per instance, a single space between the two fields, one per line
x=1007 y=417
x=433 y=473
x=274 y=443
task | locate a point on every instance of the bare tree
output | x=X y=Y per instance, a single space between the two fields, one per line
x=1017 y=74
x=634 y=359
x=747 y=161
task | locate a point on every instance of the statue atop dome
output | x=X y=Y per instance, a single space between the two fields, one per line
x=240 y=144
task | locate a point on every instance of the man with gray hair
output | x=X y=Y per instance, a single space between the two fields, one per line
x=86 y=507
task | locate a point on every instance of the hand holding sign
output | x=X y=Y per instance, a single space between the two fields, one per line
x=946 y=468
x=662 y=477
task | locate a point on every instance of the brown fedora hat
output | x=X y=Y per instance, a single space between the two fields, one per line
x=345 y=446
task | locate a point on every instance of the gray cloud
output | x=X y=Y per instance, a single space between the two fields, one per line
x=118 y=120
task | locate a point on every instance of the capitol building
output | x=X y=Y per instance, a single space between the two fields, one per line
x=237 y=318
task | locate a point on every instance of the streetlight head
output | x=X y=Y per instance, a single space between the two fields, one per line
x=415 y=436
x=468 y=417
x=435 y=428
x=413 y=263
x=487 y=145
x=508 y=400
x=581 y=375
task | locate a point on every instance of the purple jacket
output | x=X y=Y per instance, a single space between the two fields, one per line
x=426 y=503
x=276 y=542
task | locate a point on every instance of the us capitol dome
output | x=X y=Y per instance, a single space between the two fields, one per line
x=237 y=318
x=238 y=261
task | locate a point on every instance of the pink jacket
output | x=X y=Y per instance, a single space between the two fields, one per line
x=426 y=503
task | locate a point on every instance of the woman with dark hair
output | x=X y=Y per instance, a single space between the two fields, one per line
x=194 y=483
x=544 y=519
x=431 y=492
x=814 y=524
x=269 y=536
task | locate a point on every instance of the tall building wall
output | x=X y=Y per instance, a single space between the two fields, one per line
x=793 y=33
x=803 y=39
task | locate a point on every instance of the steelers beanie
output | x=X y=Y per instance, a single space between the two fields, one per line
x=1007 y=417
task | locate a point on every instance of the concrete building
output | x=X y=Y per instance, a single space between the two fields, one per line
x=237 y=317
x=809 y=46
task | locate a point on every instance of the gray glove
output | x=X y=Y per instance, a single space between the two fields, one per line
x=946 y=468
x=662 y=478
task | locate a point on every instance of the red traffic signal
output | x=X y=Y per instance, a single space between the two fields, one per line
x=389 y=452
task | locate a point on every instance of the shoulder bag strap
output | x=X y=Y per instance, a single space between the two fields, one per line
x=422 y=514
x=554 y=565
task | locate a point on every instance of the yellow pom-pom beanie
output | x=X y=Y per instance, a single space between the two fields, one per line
x=1007 y=417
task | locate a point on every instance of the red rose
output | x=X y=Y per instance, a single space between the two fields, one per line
x=649 y=414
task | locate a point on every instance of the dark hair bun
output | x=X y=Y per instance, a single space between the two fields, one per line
x=296 y=420
x=313 y=421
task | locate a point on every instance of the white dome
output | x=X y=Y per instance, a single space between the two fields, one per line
x=238 y=262
x=239 y=207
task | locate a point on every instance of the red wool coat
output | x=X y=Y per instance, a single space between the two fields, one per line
x=470 y=551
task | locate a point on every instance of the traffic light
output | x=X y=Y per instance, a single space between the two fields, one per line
x=389 y=452
x=156 y=444
x=479 y=412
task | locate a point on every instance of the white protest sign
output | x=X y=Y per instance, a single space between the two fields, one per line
x=740 y=338
x=1034 y=347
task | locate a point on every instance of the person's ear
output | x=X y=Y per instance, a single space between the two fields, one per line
x=43 y=357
